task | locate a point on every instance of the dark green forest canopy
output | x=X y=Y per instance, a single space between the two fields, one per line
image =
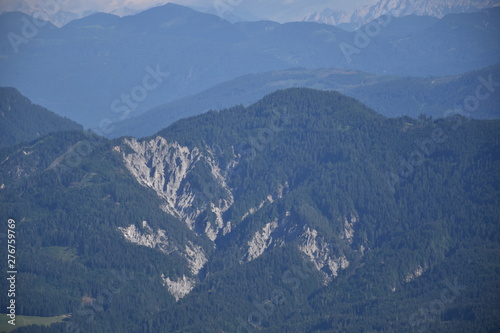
x=425 y=193
x=22 y=121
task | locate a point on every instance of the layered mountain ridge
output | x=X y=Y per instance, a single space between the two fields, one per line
x=391 y=96
x=103 y=69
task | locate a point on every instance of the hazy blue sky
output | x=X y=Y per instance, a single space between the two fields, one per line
x=271 y=9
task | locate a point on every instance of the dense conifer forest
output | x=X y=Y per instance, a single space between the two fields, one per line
x=423 y=254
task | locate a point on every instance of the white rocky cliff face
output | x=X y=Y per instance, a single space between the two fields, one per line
x=195 y=257
x=348 y=233
x=192 y=253
x=179 y=288
x=309 y=242
x=269 y=200
x=261 y=241
x=320 y=254
x=176 y=173
x=165 y=166
x=148 y=237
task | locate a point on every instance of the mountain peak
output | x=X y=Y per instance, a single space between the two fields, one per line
x=298 y=99
x=172 y=14
x=170 y=9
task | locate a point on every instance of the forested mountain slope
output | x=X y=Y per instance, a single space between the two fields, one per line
x=304 y=212
x=20 y=120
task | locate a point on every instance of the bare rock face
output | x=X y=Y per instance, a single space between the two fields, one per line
x=315 y=247
x=166 y=167
x=170 y=170
x=193 y=254
x=193 y=188
x=320 y=254
x=179 y=288
x=195 y=257
x=268 y=200
x=416 y=273
x=148 y=237
x=163 y=167
x=261 y=241
x=349 y=223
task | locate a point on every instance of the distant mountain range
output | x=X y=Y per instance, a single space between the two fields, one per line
x=391 y=96
x=398 y=8
x=86 y=69
x=332 y=15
